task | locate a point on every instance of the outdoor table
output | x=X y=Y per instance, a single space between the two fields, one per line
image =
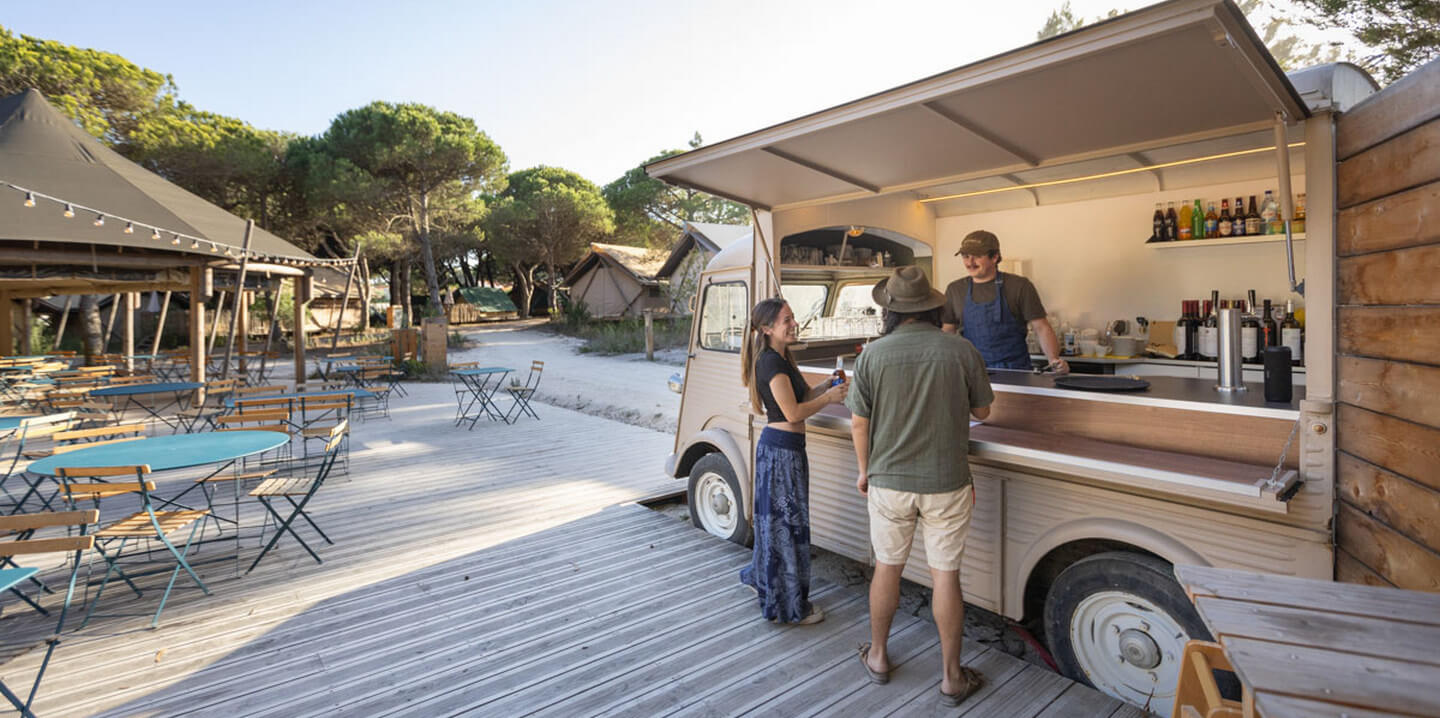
x=1305 y=647
x=12 y=422
x=129 y=392
x=477 y=399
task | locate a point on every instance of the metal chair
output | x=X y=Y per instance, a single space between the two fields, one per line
x=24 y=526
x=523 y=393
x=147 y=524
x=303 y=489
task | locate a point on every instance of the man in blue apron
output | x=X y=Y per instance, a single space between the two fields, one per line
x=993 y=309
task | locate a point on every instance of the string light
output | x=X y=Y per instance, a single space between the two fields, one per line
x=155 y=233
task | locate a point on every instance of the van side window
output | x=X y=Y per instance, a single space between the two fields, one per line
x=723 y=317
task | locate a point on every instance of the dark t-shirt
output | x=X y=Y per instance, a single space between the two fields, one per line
x=767 y=367
x=1020 y=298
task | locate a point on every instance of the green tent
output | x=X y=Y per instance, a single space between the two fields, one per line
x=487 y=299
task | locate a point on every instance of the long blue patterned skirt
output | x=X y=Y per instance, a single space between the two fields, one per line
x=779 y=569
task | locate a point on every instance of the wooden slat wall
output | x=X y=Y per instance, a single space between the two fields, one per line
x=1388 y=242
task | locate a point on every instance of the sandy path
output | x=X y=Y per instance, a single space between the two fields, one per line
x=623 y=388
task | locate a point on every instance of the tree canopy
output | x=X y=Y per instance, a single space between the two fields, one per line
x=648 y=211
x=547 y=217
x=1404 y=34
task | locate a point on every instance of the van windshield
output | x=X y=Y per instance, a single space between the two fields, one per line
x=807 y=301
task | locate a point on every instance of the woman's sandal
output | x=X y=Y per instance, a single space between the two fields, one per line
x=973 y=681
x=875 y=676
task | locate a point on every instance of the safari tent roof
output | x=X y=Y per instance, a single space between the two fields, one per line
x=43 y=152
x=638 y=262
x=1109 y=91
x=706 y=236
x=487 y=299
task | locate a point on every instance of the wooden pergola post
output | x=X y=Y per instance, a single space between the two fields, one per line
x=302 y=295
x=198 y=295
x=239 y=292
x=242 y=323
x=25 y=320
x=64 y=318
x=345 y=299
x=160 y=328
x=7 y=324
x=128 y=343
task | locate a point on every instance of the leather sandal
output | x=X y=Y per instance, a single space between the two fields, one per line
x=875 y=676
x=973 y=681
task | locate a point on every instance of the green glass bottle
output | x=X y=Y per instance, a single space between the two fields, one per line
x=1197 y=221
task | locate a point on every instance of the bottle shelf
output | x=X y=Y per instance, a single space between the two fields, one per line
x=1257 y=239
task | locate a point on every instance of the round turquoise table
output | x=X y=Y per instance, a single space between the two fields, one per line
x=13 y=422
x=162 y=453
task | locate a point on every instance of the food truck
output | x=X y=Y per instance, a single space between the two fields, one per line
x=1064 y=149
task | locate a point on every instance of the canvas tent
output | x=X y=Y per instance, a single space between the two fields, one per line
x=481 y=304
x=618 y=281
x=78 y=218
x=704 y=238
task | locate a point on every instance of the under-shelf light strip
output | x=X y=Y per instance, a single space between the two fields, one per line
x=155 y=232
x=1103 y=175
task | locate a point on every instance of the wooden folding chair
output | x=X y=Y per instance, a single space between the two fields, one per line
x=1196 y=693
x=24 y=527
x=205 y=412
x=33 y=432
x=319 y=415
x=523 y=393
x=148 y=524
x=297 y=491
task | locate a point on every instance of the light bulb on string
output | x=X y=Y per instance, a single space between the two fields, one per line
x=227 y=252
x=176 y=240
x=29 y=199
x=194 y=244
x=154 y=233
x=69 y=211
x=99 y=220
x=129 y=228
x=213 y=248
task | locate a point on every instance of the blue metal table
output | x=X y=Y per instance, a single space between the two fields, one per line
x=357 y=393
x=178 y=389
x=163 y=453
x=476 y=398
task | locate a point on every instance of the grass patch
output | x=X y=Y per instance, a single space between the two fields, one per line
x=622 y=336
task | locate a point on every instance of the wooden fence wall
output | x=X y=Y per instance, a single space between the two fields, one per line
x=1388 y=324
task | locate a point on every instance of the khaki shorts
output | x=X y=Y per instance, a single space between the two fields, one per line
x=945 y=518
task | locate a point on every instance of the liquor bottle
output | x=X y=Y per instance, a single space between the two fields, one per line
x=1171 y=224
x=1212 y=223
x=1252 y=219
x=1227 y=224
x=1157 y=224
x=1270 y=215
x=1209 y=330
x=1239 y=229
x=1297 y=225
x=1197 y=217
x=1269 y=330
x=1186 y=228
x=1250 y=344
x=1292 y=335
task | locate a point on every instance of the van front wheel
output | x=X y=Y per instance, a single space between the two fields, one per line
x=715 y=500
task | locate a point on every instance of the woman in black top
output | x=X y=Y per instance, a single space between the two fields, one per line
x=779 y=570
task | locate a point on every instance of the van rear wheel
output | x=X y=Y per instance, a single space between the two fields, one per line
x=714 y=498
x=1119 y=621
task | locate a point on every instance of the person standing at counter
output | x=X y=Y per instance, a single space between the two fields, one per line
x=914 y=391
x=992 y=309
x=779 y=570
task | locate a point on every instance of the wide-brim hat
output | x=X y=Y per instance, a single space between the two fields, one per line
x=907 y=291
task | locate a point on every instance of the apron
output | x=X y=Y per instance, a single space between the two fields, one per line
x=993 y=330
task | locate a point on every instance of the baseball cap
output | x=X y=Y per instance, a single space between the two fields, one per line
x=979 y=242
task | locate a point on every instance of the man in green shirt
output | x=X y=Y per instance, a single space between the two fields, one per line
x=911 y=398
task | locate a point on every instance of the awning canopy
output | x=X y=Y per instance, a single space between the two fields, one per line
x=1172 y=74
x=44 y=153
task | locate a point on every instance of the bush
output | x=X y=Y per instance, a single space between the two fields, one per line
x=625 y=336
x=457 y=340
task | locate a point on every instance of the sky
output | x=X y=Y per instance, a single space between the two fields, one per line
x=593 y=86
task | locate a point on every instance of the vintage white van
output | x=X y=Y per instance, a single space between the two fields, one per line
x=1085 y=500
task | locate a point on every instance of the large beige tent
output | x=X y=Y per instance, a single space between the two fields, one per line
x=618 y=281
x=78 y=218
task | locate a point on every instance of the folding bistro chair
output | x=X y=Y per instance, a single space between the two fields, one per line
x=462 y=391
x=203 y=415
x=33 y=432
x=147 y=524
x=24 y=526
x=319 y=415
x=297 y=492
x=523 y=393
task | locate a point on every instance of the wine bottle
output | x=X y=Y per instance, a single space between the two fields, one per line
x=1181 y=336
x=1209 y=330
x=1292 y=334
x=1269 y=330
x=1250 y=346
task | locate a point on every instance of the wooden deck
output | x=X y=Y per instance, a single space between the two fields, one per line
x=501 y=572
